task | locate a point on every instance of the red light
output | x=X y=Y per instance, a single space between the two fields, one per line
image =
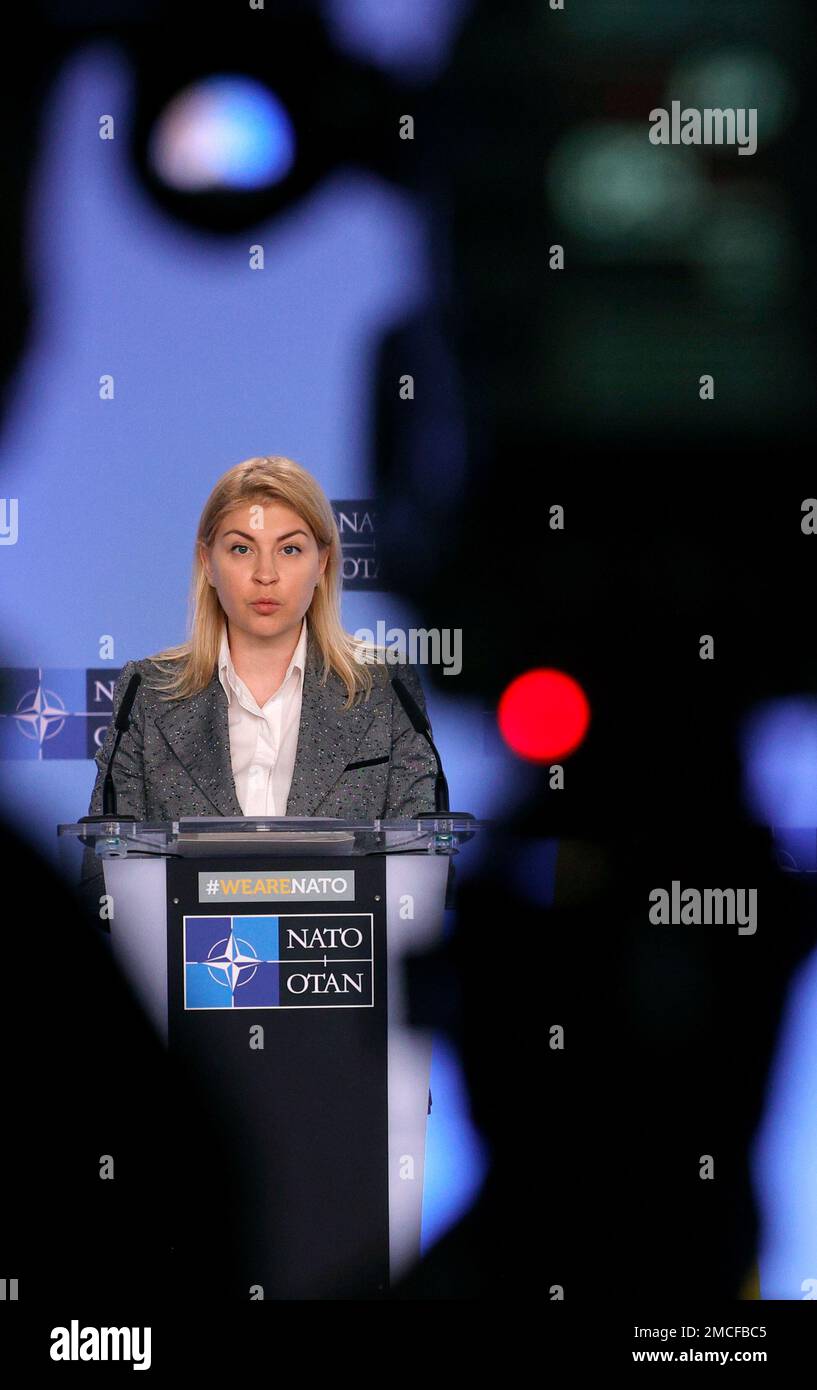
x=543 y=715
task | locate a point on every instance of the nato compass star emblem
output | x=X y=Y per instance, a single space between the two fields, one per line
x=40 y=714
x=229 y=966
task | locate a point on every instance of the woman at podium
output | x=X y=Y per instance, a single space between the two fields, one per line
x=270 y=708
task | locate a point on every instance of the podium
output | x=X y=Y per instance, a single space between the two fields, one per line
x=268 y=954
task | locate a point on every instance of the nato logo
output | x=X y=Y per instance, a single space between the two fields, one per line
x=54 y=712
x=279 y=961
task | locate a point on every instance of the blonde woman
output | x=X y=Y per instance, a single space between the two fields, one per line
x=270 y=708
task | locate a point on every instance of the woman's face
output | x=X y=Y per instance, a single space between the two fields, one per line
x=264 y=552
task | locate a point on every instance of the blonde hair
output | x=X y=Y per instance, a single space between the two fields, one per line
x=264 y=480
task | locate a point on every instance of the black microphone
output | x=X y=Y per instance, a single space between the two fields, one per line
x=420 y=724
x=121 y=723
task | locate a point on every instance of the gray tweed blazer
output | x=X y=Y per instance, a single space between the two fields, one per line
x=174 y=760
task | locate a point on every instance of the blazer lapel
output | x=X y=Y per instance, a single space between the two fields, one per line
x=198 y=732
x=329 y=735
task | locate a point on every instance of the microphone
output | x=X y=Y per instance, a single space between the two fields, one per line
x=420 y=724
x=121 y=723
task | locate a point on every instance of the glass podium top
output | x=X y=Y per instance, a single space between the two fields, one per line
x=431 y=833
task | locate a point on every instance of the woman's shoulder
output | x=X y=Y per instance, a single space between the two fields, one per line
x=155 y=675
x=409 y=675
x=386 y=661
x=385 y=674
x=149 y=666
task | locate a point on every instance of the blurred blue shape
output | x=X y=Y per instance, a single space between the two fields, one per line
x=784 y=1152
x=408 y=36
x=224 y=132
x=457 y=1158
x=778 y=748
x=796 y=850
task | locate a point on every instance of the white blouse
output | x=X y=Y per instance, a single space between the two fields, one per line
x=263 y=742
